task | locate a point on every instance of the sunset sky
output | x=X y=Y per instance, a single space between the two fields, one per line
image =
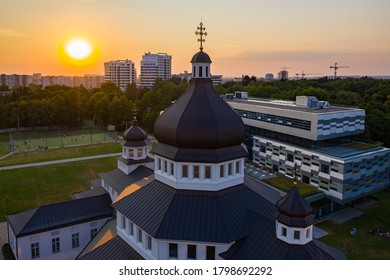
x=250 y=37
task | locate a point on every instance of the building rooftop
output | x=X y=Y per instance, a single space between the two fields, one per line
x=119 y=180
x=349 y=149
x=262 y=243
x=166 y=213
x=57 y=215
x=114 y=249
x=290 y=105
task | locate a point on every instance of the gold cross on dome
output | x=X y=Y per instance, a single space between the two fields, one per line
x=201 y=33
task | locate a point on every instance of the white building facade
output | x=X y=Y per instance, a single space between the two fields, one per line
x=120 y=72
x=59 y=244
x=155 y=66
x=314 y=137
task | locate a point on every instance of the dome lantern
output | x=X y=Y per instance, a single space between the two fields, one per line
x=201 y=60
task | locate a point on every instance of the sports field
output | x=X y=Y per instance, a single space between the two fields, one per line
x=41 y=140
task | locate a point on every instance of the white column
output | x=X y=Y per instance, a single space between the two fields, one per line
x=191 y=171
x=214 y=172
x=202 y=172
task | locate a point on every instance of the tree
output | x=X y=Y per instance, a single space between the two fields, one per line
x=132 y=92
x=120 y=112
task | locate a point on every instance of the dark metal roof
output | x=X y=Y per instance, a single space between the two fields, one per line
x=135 y=161
x=200 y=57
x=262 y=244
x=93 y=192
x=199 y=119
x=57 y=215
x=136 y=144
x=167 y=213
x=95 y=183
x=135 y=133
x=200 y=155
x=118 y=180
x=294 y=210
x=114 y=249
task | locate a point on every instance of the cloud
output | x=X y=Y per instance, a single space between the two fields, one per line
x=9 y=32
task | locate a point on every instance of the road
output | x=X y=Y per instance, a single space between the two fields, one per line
x=58 y=161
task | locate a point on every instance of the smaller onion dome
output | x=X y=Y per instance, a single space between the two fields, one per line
x=294 y=211
x=135 y=136
x=201 y=57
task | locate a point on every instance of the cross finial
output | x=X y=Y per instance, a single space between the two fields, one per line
x=201 y=33
x=134 y=110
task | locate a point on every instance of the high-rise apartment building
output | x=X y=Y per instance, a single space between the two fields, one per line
x=120 y=72
x=155 y=66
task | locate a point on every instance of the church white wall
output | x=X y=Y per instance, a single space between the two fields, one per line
x=127 y=169
x=160 y=248
x=12 y=240
x=305 y=234
x=201 y=70
x=172 y=174
x=182 y=249
x=113 y=194
x=64 y=234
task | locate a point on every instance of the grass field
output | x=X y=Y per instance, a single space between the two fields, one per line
x=364 y=246
x=60 y=153
x=285 y=184
x=26 y=188
x=35 y=140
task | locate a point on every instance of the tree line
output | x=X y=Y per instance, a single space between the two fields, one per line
x=72 y=107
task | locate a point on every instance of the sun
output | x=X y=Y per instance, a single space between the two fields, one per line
x=78 y=49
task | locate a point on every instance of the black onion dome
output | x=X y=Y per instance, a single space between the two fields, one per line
x=135 y=135
x=200 y=120
x=200 y=57
x=294 y=210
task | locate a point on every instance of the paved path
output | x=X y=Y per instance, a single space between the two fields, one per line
x=58 y=161
x=344 y=215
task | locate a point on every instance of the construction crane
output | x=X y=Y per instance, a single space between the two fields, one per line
x=337 y=67
x=283 y=74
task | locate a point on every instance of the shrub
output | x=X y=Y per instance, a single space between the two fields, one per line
x=8 y=255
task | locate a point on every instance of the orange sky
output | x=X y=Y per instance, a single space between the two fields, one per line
x=251 y=37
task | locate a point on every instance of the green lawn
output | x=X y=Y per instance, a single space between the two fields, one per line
x=364 y=246
x=26 y=188
x=32 y=140
x=285 y=184
x=60 y=153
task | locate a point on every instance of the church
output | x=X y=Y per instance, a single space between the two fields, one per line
x=188 y=202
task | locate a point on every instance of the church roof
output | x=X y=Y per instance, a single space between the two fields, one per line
x=118 y=180
x=201 y=57
x=62 y=214
x=167 y=213
x=294 y=210
x=262 y=243
x=135 y=136
x=199 y=121
x=131 y=161
x=98 y=190
x=114 y=249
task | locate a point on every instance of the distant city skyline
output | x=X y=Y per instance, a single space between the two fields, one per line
x=247 y=37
